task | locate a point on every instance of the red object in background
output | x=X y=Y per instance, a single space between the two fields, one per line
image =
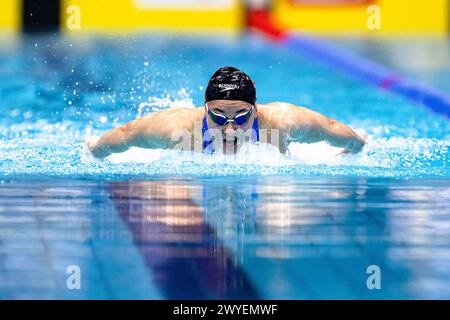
x=261 y=20
x=387 y=82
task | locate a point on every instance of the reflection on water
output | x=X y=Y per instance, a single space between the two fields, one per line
x=232 y=238
x=282 y=237
x=181 y=249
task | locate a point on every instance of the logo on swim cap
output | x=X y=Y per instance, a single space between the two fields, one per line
x=228 y=86
x=229 y=83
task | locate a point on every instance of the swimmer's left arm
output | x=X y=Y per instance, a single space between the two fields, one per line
x=308 y=126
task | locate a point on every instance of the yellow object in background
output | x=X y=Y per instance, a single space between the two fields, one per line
x=10 y=15
x=136 y=15
x=377 y=17
x=362 y=16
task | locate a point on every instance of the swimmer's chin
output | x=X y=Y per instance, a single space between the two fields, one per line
x=230 y=146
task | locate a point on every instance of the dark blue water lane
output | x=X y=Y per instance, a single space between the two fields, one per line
x=256 y=237
x=297 y=238
x=48 y=225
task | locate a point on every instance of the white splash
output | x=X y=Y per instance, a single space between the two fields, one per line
x=182 y=100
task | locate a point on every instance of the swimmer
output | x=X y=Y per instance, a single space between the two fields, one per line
x=230 y=112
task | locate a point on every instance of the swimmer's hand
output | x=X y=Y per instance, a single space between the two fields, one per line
x=95 y=149
x=355 y=145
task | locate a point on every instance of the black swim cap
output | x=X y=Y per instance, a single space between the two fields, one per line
x=229 y=83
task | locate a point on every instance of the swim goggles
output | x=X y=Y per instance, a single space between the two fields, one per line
x=222 y=120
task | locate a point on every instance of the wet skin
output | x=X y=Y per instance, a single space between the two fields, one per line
x=290 y=122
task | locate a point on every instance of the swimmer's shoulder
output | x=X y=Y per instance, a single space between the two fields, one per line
x=277 y=106
x=274 y=114
x=176 y=117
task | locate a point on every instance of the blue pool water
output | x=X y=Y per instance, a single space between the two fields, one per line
x=159 y=224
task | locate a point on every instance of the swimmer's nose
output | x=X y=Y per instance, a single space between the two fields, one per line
x=228 y=132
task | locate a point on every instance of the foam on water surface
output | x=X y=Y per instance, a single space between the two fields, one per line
x=58 y=150
x=69 y=90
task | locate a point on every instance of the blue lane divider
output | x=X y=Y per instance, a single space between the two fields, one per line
x=371 y=72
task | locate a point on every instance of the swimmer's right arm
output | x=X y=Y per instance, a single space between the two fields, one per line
x=147 y=132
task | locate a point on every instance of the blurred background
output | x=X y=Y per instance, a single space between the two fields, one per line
x=411 y=36
x=326 y=16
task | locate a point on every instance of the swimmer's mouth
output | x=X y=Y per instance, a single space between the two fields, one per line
x=230 y=146
x=234 y=141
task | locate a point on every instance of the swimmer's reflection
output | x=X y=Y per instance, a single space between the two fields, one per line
x=304 y=239
x=182 y=251
x=308 y=238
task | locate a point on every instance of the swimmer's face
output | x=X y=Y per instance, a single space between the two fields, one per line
x=230 y=109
